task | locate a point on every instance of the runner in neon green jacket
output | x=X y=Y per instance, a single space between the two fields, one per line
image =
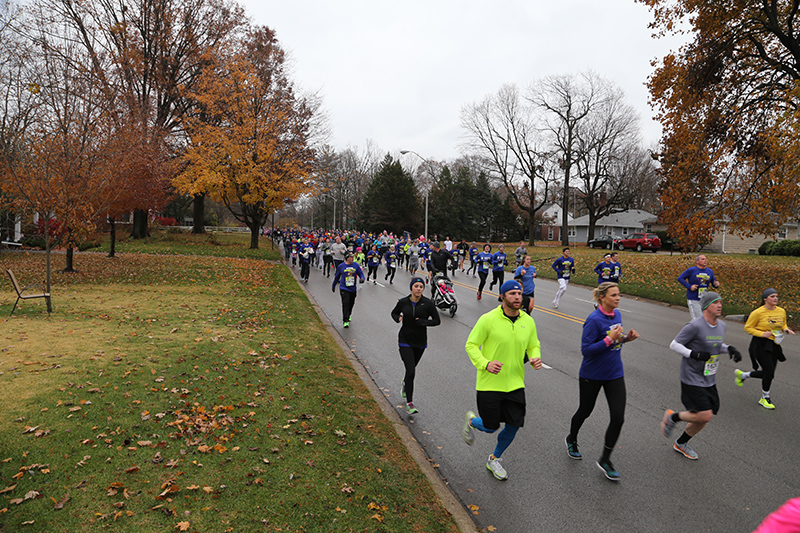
x=496 y=338
x=500 y=344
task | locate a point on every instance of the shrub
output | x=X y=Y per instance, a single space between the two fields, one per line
x=88 y=244
x=32 y=241
x=766 y=248
x=786 y=248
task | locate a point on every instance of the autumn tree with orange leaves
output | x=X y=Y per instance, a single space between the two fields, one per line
x=57 y=153
x=146 y=56
x=729 y=102
x=249 y=142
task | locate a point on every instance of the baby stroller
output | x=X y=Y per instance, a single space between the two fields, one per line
x=444 y=297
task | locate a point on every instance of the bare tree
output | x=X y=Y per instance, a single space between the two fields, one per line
x=566 y=102
x=341 y=180
x=501 y=130
x=605 y=142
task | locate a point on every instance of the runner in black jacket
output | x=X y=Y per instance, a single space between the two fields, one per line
x=416 y=313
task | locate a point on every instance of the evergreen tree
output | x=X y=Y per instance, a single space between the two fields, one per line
x=484 y=205
x=391 y=202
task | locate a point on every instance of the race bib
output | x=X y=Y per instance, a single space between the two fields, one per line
x=711 y=366
x=349 y=281
x=486 y=265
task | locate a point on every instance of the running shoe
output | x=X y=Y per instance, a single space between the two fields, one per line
x=608 y=470
x=739 y=379
x=347 y=323
x=467 y=432
x=494 y=466
x=766 y=403
x=667 y=423
x=403 y=389
x=572 y=449
x=555 y=305
x=479 y=296
x=686 y=450
x=410 y=409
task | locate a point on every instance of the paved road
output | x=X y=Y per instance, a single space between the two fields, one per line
x=749 y=457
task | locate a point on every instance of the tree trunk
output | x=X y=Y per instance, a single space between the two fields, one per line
x=532 y=230
x=254 y=237
x=198 y=213
x=69 y=264
x=139 y=228
x=112 y=232
x=565 y=211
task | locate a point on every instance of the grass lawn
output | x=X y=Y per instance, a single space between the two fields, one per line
x=182 y=243
x=202 y=394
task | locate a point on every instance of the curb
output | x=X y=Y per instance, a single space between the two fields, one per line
x=449 y=499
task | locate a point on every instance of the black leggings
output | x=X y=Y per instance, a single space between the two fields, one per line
x=390 y=273
x=615 y=395
x=372 y=270
x=327 y=263
x=497 y=278
x=483 y=276
x=410 y=357
x=768 y=362
x=472 y=267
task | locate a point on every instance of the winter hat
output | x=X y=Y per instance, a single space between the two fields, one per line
x=708 y=298
x=416 y=279
x=768 y=292
x=510 y=285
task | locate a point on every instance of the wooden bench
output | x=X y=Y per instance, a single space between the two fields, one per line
x=22 y=293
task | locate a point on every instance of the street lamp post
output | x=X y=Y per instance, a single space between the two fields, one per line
x=427 y=189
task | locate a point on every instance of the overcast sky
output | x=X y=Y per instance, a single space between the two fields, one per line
x=398 y=73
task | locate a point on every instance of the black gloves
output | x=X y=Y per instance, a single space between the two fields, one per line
x=700 y=356
x=333 y=289
x=734 y=354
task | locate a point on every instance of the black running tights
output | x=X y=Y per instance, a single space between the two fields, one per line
x=483 y=276
x=615 y=395
x=410 y=357
x=768 y=361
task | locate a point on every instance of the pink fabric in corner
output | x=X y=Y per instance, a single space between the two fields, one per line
x=785 y=520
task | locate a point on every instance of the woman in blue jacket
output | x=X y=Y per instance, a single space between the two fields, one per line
x=499 y=262
x=484 y=260
x=601 y=346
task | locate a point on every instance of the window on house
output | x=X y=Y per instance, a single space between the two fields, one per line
x=648 y=227
x=624 y=231
x=572 y=231
x=550 y=233
x=781 y=233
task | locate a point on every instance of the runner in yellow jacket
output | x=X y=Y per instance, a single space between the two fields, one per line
x=500 y=344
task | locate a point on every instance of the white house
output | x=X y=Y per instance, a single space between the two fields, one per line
x=552 y=231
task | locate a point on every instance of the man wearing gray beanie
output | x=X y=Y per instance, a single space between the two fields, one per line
x=700 y=342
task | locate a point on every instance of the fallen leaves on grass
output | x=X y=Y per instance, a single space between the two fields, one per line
x=60 y=504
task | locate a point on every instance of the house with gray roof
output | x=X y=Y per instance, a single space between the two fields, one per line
x=620 y=224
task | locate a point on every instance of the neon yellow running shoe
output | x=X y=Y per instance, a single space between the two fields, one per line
x=766 y=404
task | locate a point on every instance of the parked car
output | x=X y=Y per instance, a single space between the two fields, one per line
x=641 y=241
x=604 y=241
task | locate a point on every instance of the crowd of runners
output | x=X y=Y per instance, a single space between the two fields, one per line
x=505 y=340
